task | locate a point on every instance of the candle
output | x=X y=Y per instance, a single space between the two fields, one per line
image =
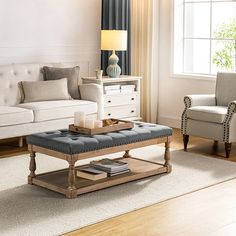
x=99 y=74
x=79 y=119
x=89 y=124
x=98 y=123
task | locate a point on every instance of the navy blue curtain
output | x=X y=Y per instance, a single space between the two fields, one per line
x=116 y=16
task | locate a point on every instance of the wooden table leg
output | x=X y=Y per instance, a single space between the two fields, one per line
x=126 y=154
x=167 y=156
x=32 y=167
x=71 y=190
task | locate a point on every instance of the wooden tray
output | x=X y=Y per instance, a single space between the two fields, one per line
x=122 y=124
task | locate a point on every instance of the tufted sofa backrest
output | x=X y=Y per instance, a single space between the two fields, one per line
x=10 y=75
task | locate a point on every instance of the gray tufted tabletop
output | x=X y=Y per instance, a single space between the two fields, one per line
x=72 y=143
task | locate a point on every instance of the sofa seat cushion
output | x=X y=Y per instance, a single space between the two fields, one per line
x=53 y=110
x=215 y=114
x=14 y=116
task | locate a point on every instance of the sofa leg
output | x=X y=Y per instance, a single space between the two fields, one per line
x=228 y=149
x=185 y=140
x=21 y=142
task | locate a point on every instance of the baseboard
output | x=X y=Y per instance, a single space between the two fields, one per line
x=171 y=121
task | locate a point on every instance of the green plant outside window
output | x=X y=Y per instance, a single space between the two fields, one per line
x=225 y=57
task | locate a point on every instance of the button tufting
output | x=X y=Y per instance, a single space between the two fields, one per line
x=76 y=143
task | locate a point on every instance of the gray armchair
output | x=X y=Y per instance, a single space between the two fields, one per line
x=212 y=116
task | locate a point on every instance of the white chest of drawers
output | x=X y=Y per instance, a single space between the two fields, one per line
x=121 y=105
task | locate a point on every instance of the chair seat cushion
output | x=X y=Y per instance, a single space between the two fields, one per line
x=53 y=110
x=73 y=143
x=14 y=116
x=215 y=114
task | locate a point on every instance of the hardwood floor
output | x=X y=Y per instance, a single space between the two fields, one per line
x=210 y=211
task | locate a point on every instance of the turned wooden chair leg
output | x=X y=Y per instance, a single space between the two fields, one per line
x=215 y=145
x=32 y=167
x=167 y=157
x=216 y=142
x=71 y=190
x=185 y=140
x=228 y=149
x=127 y=154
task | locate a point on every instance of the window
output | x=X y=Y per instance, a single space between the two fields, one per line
x=204 y=36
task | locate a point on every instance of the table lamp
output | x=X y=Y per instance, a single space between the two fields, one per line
x=115 y=40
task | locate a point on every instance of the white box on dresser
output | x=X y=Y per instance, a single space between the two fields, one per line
x=119 y=103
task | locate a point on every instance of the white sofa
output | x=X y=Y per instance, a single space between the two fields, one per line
x=20 y=119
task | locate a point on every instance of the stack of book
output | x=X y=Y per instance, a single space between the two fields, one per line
x=129 y=88
x=91 y=173
x=111 y=167
x=101 y=169
x=112 y=89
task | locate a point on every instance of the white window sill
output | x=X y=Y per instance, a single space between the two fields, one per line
x=194 y=76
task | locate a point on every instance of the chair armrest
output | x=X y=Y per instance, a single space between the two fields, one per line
x=229 y=121
x=94 y=93
x=231 y=108
x=195 y=100
x=200 y=100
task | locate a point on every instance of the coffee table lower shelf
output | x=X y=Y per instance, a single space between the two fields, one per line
x=58 y=180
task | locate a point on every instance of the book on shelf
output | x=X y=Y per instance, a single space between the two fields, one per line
x=112 y=91
x=91 y=173
x=118 y=173
x=128 y=87
x=110 y=166
x=127 y=90
x=112 y=87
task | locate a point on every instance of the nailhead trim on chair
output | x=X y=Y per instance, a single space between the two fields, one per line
x=188 y=104
x=228 y=117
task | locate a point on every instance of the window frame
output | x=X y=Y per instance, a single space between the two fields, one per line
x=184 y=75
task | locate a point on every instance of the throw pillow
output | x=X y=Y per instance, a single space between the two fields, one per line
x=72 y=74
x=36 y=91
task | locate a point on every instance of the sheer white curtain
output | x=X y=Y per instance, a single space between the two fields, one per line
x=144 y=53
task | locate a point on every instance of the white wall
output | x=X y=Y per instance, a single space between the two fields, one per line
x=172 y=90
x=51 y=31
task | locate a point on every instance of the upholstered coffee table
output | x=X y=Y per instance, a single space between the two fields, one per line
x=72 y=147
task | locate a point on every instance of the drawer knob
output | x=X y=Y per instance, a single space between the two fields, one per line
x=132 y=111
x=109 y=101
x=109 y=114
x=132 y=99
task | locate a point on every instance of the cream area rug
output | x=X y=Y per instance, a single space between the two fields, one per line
x=31 y=210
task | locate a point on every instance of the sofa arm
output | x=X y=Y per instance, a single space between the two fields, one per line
x=94 y=93
x=200 y=100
